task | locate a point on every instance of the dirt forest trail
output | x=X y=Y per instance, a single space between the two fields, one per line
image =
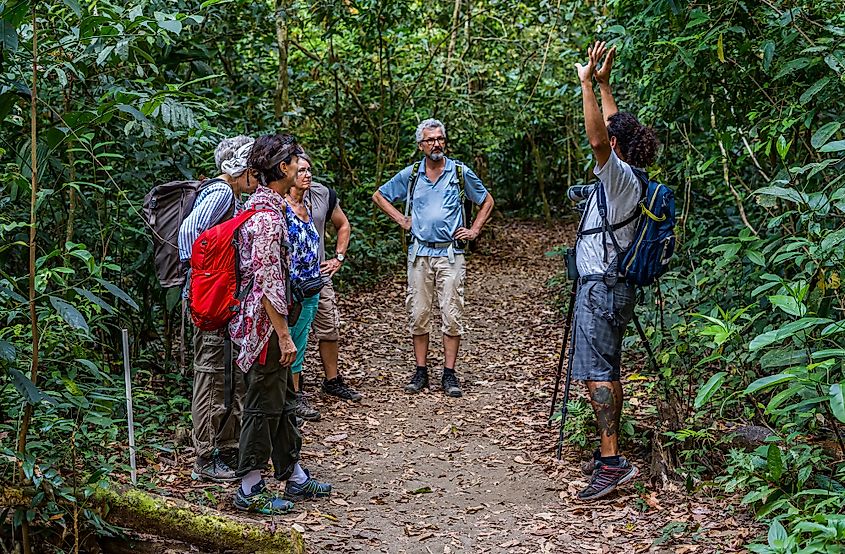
x=431 y=474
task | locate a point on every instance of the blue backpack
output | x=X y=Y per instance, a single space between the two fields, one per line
x=647 y=258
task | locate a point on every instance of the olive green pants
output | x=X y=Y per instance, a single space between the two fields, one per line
x=268 y=427
x=208 y=402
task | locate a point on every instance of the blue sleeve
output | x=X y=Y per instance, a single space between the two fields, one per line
x=473 y=189
x=397 y=187
x=205 y=214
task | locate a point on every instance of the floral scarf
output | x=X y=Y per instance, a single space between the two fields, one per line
x=266 y=264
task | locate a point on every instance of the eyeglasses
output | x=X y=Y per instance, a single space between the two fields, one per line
x=433 y=141
x=303 y=171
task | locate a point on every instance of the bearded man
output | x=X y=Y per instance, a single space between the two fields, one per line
x=434 y=190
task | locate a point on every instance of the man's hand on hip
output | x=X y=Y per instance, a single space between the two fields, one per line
x=330 y=267
x=466 y=234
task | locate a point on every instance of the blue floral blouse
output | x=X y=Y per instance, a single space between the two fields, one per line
x=305 y=244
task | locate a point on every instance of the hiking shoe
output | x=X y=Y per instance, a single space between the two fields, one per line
x=607 y=477
x=336 y=387
x=212 y=469
x=450 y=384
x=589 y=466
x=418 y=381
x=311 y=488
x=304 y=409
x=261 y=501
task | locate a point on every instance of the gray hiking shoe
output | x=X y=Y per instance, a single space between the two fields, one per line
x=212 y=468
x=304 y=409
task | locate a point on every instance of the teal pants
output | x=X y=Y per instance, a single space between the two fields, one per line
x=299 y=331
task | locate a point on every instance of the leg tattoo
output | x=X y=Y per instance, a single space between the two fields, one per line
x=605 y=405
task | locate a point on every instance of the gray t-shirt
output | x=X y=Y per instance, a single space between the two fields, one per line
x=317 y=198
x=622 y=190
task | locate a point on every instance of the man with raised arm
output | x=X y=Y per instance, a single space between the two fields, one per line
x=433 y=190
x=604 y=303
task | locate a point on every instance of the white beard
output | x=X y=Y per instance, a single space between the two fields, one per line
x=436 y=156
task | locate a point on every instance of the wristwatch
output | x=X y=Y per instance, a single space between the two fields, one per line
x=340 y=257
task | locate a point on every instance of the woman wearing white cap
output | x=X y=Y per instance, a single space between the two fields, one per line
x=218 y=200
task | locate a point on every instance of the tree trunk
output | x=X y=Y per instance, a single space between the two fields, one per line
x=539 y=169
x=282 y=83
x=178 y=520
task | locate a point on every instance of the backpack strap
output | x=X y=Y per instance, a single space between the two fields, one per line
x=459 y=170
x=412 y=184
x=332 y=201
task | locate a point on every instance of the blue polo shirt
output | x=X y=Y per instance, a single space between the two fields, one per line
x=436 y=207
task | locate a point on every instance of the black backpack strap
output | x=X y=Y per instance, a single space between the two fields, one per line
x=465 y=212
x=412 y=184
x=332 y=201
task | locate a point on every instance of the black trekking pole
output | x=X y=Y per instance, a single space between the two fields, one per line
x=646 y=343
x=564 y=409
x=566 y=329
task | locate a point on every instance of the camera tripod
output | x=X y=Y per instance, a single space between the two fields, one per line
x=569 y=337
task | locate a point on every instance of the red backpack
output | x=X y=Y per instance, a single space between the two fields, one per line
x=214 y=295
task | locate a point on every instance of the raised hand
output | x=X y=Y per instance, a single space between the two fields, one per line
x=585 y=72
x=603 y=73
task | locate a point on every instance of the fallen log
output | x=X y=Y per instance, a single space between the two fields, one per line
x=178 y=520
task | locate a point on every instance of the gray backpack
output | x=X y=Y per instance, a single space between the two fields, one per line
x=165 y=208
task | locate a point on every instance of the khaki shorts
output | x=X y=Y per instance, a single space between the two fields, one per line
x=327 y=320
x=430 y=274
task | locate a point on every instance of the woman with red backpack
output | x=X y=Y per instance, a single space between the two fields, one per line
x=262 y=331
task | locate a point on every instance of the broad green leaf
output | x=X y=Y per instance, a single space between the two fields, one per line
x=789 y=305
x=792 y=66
x=173 y=297
x=813 y=90
x=133 y=111
x=74 y=5
x=789 y=194
x=7 y=351
x=92 y=367
x=830 y=353
x=837 y=146
x=833 y=239
x=782 y=397
x=768 y=382
x=172 y=25
x=777 y=534
x=25 y=387
x=774 y=460
x=837 y=401
x=823 y=134
x=833 y=328
x=95 y=299
x=8 y=36
x=70 y=314
x=783 y=146
x=709 y=389
x=786 y=331
x=756 y=258
x=783 y=358
x=118 y=292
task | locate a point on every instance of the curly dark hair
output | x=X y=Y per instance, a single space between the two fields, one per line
x=268 y=152
x=637 y=142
